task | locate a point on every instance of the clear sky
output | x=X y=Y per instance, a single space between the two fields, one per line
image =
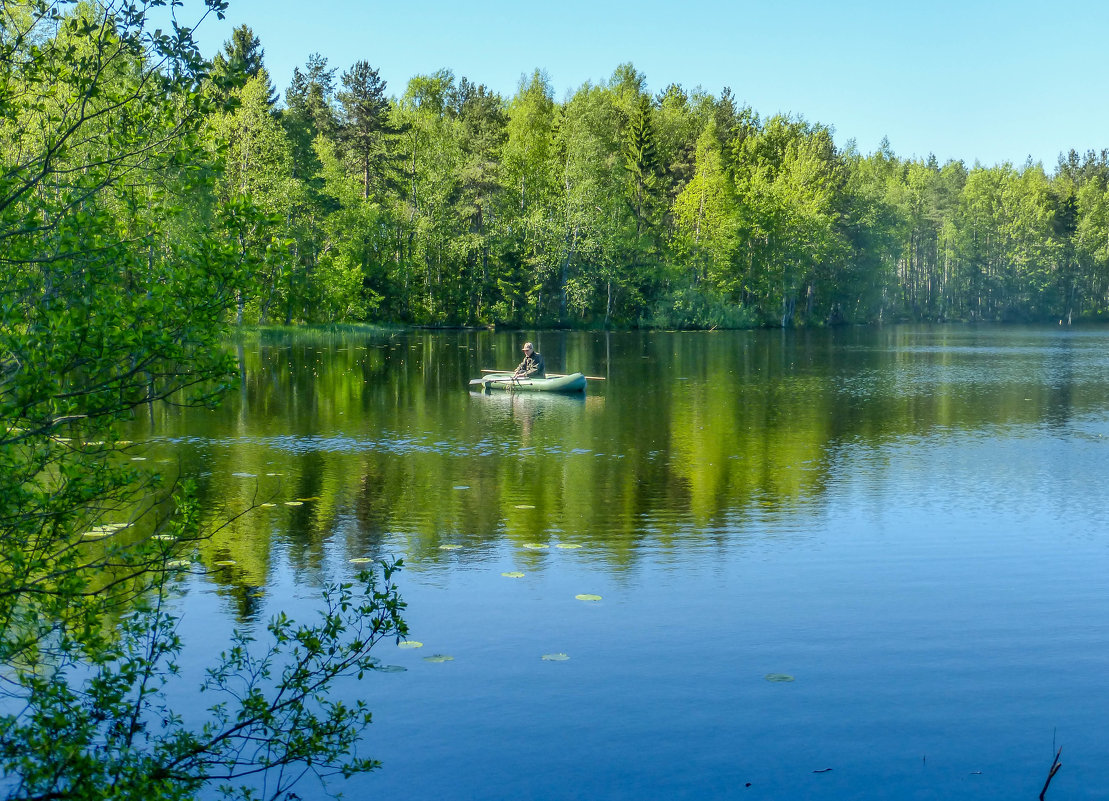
x=963 y=79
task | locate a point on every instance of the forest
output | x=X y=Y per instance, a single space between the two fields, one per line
x=151 y=197
x=443 y=203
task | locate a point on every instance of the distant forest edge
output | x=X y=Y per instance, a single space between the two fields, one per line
x=448 y=204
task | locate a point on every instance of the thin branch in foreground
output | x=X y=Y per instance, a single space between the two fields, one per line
x=1055 y=765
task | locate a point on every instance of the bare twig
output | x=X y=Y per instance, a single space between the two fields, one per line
x=1055 y=765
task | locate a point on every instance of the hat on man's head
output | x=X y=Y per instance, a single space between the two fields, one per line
x=527 y=346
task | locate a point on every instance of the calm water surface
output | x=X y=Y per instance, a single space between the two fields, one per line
x=910 y=523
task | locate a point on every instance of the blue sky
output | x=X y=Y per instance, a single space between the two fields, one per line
x=971 y=80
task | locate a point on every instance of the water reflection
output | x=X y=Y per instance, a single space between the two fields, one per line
x=909 y=521
x=358 y=444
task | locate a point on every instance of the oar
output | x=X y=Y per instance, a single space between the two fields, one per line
x=552 y=375
x=508 y=379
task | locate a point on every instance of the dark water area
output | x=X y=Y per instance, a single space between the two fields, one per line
x=879 y=551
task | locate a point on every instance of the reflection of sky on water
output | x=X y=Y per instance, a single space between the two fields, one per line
x=916 y=534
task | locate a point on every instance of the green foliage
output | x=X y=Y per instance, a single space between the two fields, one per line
x=126 y=252
x=366 y=130
x=705 y=216
x=241 y=60
x=602 y=208
x=641 y=161
x=699 y=309
x=97 y=714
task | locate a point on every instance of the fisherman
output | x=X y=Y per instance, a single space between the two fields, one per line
x=532 y=365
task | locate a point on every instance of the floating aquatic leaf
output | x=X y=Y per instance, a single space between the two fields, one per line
x=450 y=546
x=779 y=677
x=294 y=503
x=360 y=560
x=554 y=657
x=410 y=644
x=513 y=574
x=305 y=500
x=536 y=546
x=138 y=458
x=568 y=546
x=391 y=669
x=461 y=487
x=96 y=532
x=225 y=563
x=273 y=474
x=267 y=504
x=588 y=597
x=439 y=658
x=524 y=506
x=244 y=475
x=176 y=563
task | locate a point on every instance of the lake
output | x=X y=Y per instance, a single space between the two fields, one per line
x=857 y=563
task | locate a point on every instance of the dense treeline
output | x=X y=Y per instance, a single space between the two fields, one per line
x=450 y=204
x=149 y=197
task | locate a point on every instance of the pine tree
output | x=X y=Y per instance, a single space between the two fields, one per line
x=309 y=113
x=241 y=60
x=365 y=128
x=641 y=162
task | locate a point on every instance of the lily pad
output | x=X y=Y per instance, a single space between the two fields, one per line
x=294 y=503
x=410 y=644
x=138 y=458
x=450 y=546
x=96 y=532
x=588 y=597
x=536 y=546
x=391 y=669
x=267 y=504
x=568 y=546
x=360 y=560
x=461 y=487
x=555 y=658
x=439 y=658
x=779 y=677
x=513 y=574
x=225 y=563
x=306 y=500
x=524 y=506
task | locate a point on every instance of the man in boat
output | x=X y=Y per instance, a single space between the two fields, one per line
x=532 y=366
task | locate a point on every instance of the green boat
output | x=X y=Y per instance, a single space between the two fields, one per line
x=575 y=382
